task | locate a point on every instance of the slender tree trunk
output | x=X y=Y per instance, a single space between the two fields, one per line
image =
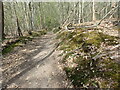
x=2 y=20
x=43 y=16
x=18 y=25
x=18 y=28
x=30 y=16
x=82 y=6
x=119 y=10
x=79 y=13
x=40 y=15
x=26 y=16
x=74 y=14
x=94 y=18
x=62 y=12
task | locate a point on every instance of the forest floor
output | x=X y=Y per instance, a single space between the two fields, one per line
x=37 y=64
x=91 y=55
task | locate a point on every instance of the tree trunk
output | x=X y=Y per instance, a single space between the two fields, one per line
x=18 y=28
x=2 y=20
x=40 y=15
x=18 y=25
x=30 y=16
x=119 y=10
x=82 y=6
x=26 y=16
x=94 y=18
x=79 y=12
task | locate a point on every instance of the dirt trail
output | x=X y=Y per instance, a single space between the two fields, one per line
x=42 y=68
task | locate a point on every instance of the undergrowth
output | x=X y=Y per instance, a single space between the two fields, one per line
x=79 y=49
x=23 y=40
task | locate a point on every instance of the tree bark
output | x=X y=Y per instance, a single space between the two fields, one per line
x=79 y=13
x=82 y=7
x=2 y=21
x=18 y=28
x=30 y=16
x=119 y=10
x=94 y=18
x=40 y=15
x=18 y=25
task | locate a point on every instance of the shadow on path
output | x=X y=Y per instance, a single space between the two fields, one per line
x=5 y=84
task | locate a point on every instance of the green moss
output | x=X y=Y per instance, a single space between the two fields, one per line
x=8 y=49
x=38 y=33
x=63 y=47
x=87 y=68
x=85 y=73
x=20 y=42
x=112 y=69
x=66 y=35
x=23 y=40
x=78 y=39
x=56 y=30
x=94 y=38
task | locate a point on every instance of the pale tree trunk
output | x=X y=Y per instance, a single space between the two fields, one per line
x=40 y=15
x=82 y=6
x=26 y=16
x=43 y=16
x=79 y=13
x=93 y=8
x=68 y=10
x=1 y=21
x=74 y=15
x=33 y=18
x=30 y=16
x=76 y=18
x=12 y=20
x=62 y=12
